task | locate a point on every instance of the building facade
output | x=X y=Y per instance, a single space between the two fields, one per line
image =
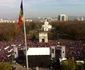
x=62 y=17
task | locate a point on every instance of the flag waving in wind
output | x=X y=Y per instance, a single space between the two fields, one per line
x=20 y=20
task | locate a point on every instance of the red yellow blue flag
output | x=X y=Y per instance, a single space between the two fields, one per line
x=20 y=20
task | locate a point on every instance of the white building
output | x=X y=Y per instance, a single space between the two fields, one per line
x=63 y=51
x=43 y=35
x=62 y=17
x=82 y=19
x=46 y=26
x=1 y=20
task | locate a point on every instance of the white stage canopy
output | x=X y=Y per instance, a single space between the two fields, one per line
x=38 y=51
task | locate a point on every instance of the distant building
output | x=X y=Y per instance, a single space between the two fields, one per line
x=1 y=20
x=80 y=19
x=62 y=17
x=29 y=20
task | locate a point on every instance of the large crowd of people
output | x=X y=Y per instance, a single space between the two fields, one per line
x=73 y=48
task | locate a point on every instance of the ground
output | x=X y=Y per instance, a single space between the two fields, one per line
x=20 y=67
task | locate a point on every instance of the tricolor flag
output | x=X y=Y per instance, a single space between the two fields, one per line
x=20 y=20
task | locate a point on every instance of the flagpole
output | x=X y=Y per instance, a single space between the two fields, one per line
x=25 y=45
x=25 y=37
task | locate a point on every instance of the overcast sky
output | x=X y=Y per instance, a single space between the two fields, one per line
x=42 y=8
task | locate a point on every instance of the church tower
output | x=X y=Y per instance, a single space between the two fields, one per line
x=43 y=34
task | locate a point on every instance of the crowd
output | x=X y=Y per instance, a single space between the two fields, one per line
x=73 y=48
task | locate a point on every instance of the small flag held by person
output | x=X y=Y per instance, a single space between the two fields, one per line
x=20 y=20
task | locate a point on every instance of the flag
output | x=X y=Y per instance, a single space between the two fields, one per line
x=20 y=20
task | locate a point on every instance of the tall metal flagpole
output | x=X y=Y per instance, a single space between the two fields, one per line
x=25 y=41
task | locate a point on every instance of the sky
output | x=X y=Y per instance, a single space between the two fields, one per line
x=9 y=9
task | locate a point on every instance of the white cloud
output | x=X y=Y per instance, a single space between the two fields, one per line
x=56 y=1
x=8 y=3
x=72 y=1
x=37 y=4
x=30 y=3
